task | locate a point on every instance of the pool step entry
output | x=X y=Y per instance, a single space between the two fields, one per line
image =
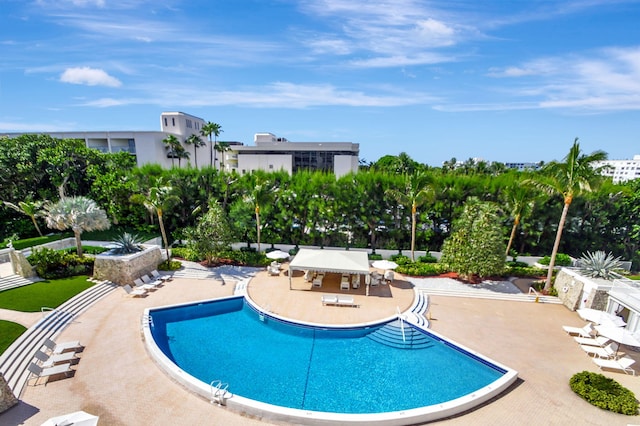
x=419 y=309
x=219 y=392
x=400 y=335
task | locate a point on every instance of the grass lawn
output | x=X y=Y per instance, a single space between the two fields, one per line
x=9 y=332
x=52 y=293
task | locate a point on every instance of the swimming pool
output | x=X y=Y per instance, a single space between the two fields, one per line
x=319 y=373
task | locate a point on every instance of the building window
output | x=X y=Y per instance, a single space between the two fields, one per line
x=189 y=124
x=165 y=122
x=271 y=166
x=173 y=122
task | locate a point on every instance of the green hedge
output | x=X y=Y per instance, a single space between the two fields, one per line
x=186 y=254
x=427 y=258
x=604 y=393
x=528 y=271
x=50 y=264
x=375 y=256
x=400 y=259
x=561 y=260
x=422 y=269
x=36 y=241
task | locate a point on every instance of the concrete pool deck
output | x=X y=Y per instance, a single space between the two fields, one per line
x=117 y=380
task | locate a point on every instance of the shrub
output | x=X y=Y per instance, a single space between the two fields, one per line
x=524 y=271
x=375 y=256
x=422 y=269
x=604 y=393
x=400 y=259
x=427 y=258
x=517 y=264
x=51 y=264
x=294 y=251
x=248 y=258
x=172 y=265
x=599 y=264
x=186 y=254
x=561 y=260
x=127 y=243
x=88 y=250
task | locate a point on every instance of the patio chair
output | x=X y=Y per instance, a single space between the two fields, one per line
x=609 y=351
x=39 y=372
x=138 y=292
x=273 y=271
x=355 y=281
x=47 y=361
x=344 y=282
x=58 y=348
x=347 y=301
x=586 y=331
x=623 y=364
x=329 y=299
x=148 y=281
x=157 y=276
x=592 y=341
x=142 y=286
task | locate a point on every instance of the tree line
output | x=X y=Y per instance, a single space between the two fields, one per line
x=393 y=203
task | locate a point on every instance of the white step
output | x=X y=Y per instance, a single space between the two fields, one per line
x=519 y=297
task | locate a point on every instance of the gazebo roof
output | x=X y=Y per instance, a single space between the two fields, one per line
x=340 y=261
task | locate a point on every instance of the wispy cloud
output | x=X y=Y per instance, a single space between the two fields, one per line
x=274 y=95
x=89 y=77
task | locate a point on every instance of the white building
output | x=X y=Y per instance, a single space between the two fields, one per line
x=621 y=170
x=269 y=153
x=272 y=153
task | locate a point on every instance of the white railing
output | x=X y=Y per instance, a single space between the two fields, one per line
x=400 y=317
x=533 y=290
x=219 y=392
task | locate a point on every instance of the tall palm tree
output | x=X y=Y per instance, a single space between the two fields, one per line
x=172 y=145
x=78 y=213
x=211 y=129
x=29 y=208
x=222 y=148
x=157 y=200
x=197 y=142
x=570 y=178
x=260 y=195
x=416 y=193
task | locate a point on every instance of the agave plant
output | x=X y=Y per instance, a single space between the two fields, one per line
x=599 y=264
x=127 y=243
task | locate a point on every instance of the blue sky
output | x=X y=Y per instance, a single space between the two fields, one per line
x=500 y=80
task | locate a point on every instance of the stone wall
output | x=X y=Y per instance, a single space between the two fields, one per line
x=124 y=269
x=62 y=244
x=571 y=285
x=7 y=399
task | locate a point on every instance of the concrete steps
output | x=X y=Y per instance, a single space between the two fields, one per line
x=513 y=297
x=13 y=281
x=15 y=360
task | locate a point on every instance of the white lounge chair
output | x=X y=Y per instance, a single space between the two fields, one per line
x=329 y=299
x=346 y=301
x=148 y=281
x=355 y=281
x=58 y=348
x=586 y=331
x=142 y=286
x=47 y=361
x=138 y=292
x=274 y=271
x=344 y=282
x=39 y=372
x=623 y=364
x=609 y=351
x=157 y=276
x=592 y=341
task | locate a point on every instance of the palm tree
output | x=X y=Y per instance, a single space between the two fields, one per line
x=570 y=178
x=519 y=200
x=172 y=145
x=259 y=196
x=416 y=193
x=157 y=200
x=197 y=142
x=29 y=208
x=78 y=213
x=222 y=148
x=208 y=130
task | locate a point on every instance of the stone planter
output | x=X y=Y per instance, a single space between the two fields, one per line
x=123 y=269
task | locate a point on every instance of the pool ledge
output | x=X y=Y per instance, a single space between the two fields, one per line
x=271 y=412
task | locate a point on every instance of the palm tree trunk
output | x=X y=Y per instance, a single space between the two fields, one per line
x=516 y=222
x=76 y=234
x=33 y=218
x=413 y=232
x=164 y=235
x=195 y=154
x=258 y=225
x=556 y=244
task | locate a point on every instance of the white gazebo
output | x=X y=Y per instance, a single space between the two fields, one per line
x=323 y=260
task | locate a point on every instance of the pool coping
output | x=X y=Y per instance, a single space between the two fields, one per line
x=272 y=412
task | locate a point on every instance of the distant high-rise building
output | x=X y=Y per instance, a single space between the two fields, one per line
x=620 y=170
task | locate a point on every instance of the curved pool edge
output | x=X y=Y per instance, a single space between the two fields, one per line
x=270 y=412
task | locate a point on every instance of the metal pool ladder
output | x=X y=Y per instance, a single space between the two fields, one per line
x=219 y=393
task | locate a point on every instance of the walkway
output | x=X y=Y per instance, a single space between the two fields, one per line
x=117 y=380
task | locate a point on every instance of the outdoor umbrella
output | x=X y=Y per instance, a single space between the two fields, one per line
x=277 y=254
x=78 y=418
x=384 y=264
x=619 y=334
x=601 y=317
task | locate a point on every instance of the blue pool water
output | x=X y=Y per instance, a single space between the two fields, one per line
x=330 y=370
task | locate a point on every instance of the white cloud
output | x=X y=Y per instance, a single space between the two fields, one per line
x=89 y=76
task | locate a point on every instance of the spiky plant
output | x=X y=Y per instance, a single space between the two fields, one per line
x=127 y=243
x=599 y=264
